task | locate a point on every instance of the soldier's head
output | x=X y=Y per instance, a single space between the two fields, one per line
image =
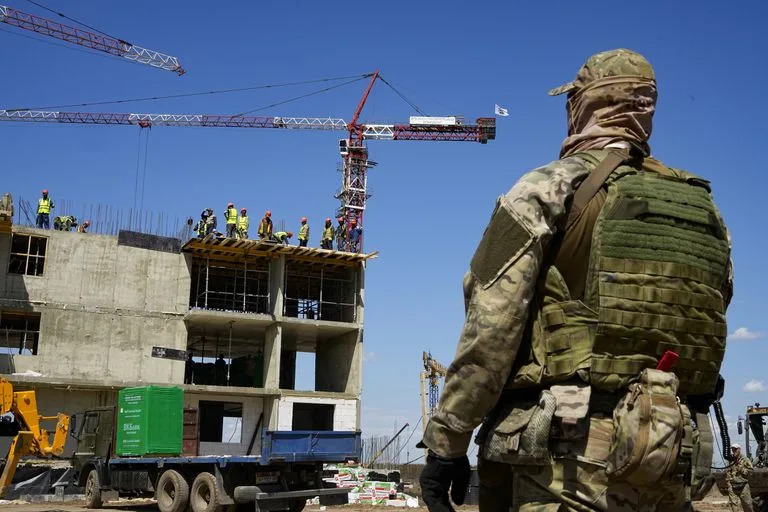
x=612 y=98
x=736 y=450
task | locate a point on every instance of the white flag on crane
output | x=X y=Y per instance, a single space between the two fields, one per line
x=501 y=111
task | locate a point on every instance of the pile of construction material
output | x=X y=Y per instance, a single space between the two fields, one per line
x=369 y=487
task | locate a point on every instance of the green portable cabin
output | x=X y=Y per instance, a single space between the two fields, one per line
x=150 y=421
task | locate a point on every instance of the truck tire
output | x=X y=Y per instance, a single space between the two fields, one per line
x=93 y=490
x=297 y=505
x=204 y=497
x=172 y=492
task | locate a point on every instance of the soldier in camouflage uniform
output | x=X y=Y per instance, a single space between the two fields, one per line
x=737 y=480
x=591 y=268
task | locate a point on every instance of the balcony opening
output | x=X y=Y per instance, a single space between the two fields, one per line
x=312 y=416
x=221 y=422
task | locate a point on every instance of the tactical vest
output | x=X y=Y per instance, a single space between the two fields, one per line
x=655 y=279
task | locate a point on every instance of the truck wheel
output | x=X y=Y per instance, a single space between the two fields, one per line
x=297 y=505
x=93 y=490
x=204 y=497
x=172 y=492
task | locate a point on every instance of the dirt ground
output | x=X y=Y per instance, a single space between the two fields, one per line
x=712 y=503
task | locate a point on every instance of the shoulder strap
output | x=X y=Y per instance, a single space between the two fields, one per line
x=594 y=182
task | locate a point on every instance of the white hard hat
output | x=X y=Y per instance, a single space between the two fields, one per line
x=735 y=446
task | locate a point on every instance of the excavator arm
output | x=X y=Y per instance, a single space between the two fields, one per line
x=31 y=438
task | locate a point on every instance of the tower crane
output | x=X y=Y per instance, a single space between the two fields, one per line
x=353 y=192
x=430 y=386
x=102 y=43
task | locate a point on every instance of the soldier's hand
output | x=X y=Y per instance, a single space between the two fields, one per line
x=440 y=475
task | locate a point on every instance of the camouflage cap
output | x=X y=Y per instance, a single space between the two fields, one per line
x=619 y=62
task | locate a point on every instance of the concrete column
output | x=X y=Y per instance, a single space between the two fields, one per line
x=272 y=350
x=277 y=285
x=360 y=298
x=338 y=364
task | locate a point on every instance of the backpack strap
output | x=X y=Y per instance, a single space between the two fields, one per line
x=594 y=182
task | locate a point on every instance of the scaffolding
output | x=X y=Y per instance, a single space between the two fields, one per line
x=226 y=286
x=321 y=292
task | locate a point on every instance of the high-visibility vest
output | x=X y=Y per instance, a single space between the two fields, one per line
x=265 y=227
x=304 y=232
x=242 y=222
x=281 y=236
x=328 y=233
x=44 y=205
x=231 y=216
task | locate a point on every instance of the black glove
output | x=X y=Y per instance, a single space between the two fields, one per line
x=440 y=475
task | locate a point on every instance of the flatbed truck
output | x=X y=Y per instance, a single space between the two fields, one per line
x=287 y=471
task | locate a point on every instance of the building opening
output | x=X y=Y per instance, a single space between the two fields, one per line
x=221 y=422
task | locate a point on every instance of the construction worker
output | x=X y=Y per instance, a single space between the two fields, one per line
x=230 y=215
x=44 y=207
x=283 y=236
x=341 y=235
x=210 y=223
x=265 y=226
x=303 y=233
x=83 y=228
x=355 y=236
x=584 y=279
x=202 y=225
x=242 y=224
x=64 y=223
x=326 y=241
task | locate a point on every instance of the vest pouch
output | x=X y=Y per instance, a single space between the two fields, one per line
x=648 y=431
x=520 y=433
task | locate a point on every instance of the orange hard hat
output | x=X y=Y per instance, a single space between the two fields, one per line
x=268 y=213
x=230 y=204
x=303 y=220
x=45 y=191
x=87 y=223
x=243 y=210
x=290 y=234
x=327 y=219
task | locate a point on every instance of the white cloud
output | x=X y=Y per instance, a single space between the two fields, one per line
x=743 y=333
x=369 y=357
x=754 y=386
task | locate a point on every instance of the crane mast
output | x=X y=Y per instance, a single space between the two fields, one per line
x=430 y=386
x=98 y=42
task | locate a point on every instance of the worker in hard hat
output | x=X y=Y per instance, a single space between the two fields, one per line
x=64 y=223
x=326 y=241
x=303 y=233
x=355 y=236
x=283 y=236
x=44 y=207
x=265 y=226
x=737 y=480
x=230 y=215
x=83 y=228
x=341 y=234
x=202 y=225
x=242 y=225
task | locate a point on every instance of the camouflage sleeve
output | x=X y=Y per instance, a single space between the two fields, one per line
x=497 y=292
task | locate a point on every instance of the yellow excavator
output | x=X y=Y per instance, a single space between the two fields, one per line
x=19 y=417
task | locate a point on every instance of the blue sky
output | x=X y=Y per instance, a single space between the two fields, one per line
x=431 y=200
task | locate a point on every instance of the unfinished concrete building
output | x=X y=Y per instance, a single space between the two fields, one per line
x=84 y=315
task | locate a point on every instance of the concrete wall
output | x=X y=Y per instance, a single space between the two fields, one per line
x=252 y=408
x=103 y=307
x=344 y=413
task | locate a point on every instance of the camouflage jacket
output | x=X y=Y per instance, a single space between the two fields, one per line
x=497 y=305
x=738 y=472
x=498 y=290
